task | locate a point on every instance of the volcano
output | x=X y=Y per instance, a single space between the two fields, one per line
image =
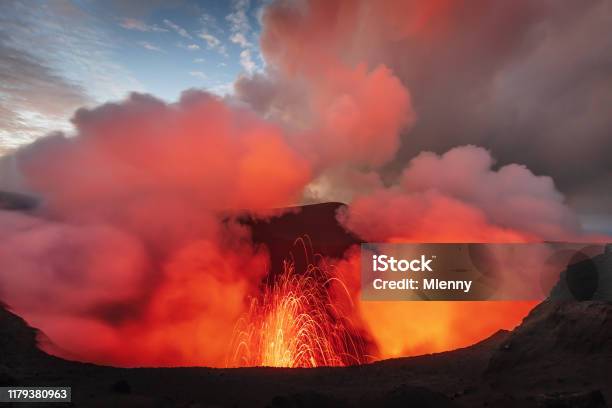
x=559 y=356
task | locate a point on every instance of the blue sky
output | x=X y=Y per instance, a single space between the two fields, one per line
x=196 y=45
x=57 y=56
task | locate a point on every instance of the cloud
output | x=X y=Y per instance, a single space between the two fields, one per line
x=238 y=19
x=240 y=28
x=28 y=84
x=222 y=89
x=338 y=109
x=528 y=95
x=458 y=197
x=198 y=74
x=150 y=46
x=138 y=25
x=524 y=79
x=246 y=61
x=209 y=23
x=529 y=92
x=211 y=40
x=210 y=26
x=239 y=38
x=33 y=95
x=134 y=8
x=179 y=30
x=72 y=65
x=213 y=43
x=193 y=47
x=108 y=266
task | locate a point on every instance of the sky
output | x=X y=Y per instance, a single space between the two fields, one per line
x=528 y=81
x=58 y=56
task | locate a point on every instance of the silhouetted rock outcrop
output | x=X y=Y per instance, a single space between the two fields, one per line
x=577 y=328
x=588 y=276
x=17 y=339
x=561 y=355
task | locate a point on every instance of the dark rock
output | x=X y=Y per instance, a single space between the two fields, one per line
x=121 y=387
x=588 y=399
x=413 y=396
x=579 y=328
x=7 y=379
x=305 y=400
x=17 y=339
x=587 y=276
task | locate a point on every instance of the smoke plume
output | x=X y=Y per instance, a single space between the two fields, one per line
x=133 y=256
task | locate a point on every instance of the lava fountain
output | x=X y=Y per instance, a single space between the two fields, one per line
x=295 y=323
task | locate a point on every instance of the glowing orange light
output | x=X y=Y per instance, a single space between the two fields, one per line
x=295 y=324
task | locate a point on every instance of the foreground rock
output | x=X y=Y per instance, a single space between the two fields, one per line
x=559 y=357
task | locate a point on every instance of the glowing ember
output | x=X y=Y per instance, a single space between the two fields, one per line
x=295 y=324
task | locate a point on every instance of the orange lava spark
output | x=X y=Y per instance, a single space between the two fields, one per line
x=295 y=324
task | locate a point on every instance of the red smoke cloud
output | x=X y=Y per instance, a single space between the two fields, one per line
x=128 y=261
x=131 y=259
x=352 y=127
x=192 y=148
x=331 y=100
x=458 y=196
x=334 y=114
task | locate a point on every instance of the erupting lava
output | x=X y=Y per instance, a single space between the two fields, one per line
x=294 y=323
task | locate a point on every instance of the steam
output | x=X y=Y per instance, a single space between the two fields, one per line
x=459 y=197
x=131 y=236
x=132 y=258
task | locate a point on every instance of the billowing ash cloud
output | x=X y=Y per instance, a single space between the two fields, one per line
x=129 y=238
x=526 y=79
x=457 y=196
x=130 y=258
x=334 y=114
